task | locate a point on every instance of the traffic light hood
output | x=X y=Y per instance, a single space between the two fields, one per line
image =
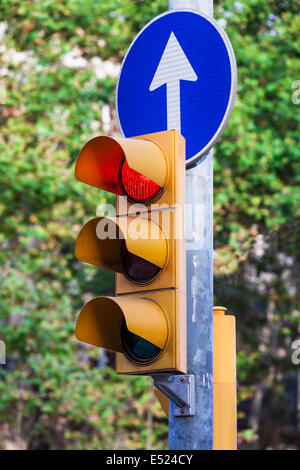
x=99 y=162
x=100 y=320
x=143 y=238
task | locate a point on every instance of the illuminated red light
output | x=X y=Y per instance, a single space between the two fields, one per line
x=138 y=187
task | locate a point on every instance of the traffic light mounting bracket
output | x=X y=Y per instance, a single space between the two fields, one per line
x=180 y=389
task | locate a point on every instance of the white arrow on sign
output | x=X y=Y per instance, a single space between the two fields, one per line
x=173 y=67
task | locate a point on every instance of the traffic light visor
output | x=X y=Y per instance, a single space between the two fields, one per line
x=133 y=167
x=104 y=320
x=134 y=246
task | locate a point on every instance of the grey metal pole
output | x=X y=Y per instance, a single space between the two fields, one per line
x=197 y=432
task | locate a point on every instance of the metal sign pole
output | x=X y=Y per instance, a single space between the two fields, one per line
x=196 y=432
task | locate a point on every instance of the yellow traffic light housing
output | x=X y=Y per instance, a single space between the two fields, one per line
x=145 y=324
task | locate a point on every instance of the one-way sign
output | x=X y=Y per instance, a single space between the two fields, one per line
x=179 y=73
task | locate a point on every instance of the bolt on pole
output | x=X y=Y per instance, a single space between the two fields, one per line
x=196 y=432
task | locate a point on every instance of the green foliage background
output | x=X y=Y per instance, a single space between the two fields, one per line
x=52 y=395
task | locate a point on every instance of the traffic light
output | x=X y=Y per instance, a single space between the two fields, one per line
x=145 y=323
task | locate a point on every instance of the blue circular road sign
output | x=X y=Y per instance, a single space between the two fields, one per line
x=179 y=73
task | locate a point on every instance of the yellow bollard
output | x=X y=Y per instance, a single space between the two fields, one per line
x=224 y=382
x=224 y=378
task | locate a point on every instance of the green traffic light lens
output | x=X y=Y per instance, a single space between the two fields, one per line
x=138 y=349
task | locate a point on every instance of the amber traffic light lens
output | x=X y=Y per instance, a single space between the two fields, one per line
x=136 y=186
x=135 y=268
x=138 y=349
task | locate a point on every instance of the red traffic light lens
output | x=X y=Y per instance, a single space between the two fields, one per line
x=136 y=186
